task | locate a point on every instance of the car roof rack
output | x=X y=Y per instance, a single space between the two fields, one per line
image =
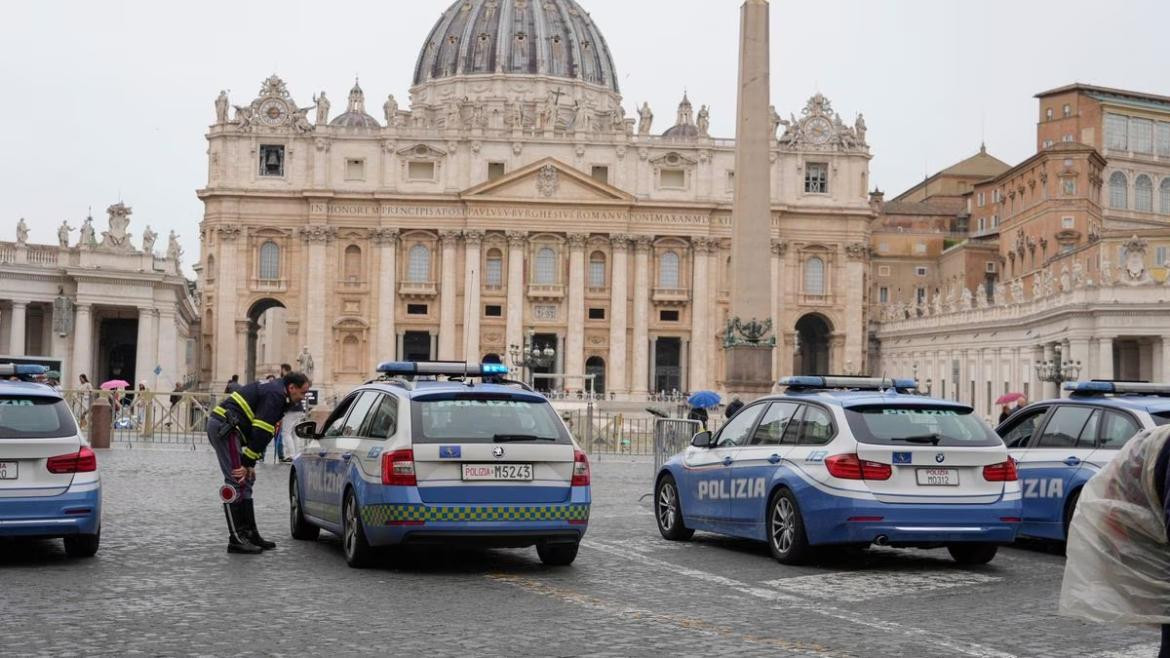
x=1103 y=387
x=847 y=383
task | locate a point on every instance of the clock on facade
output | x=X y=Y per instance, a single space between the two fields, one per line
x=273 y=112
x=818 y=130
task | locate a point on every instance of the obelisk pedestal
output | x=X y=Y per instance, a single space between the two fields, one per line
x=749 y=339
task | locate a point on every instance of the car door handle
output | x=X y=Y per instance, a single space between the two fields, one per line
x=727 y=461
x=346 y=456
x=774 y=459
x=1072 y=461
x=322 y=453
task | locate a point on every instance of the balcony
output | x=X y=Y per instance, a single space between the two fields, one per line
x=600 y=292
x=268 y=285
x=353 y=285
x=671 y=296
x=418 y=289
x=546 y=291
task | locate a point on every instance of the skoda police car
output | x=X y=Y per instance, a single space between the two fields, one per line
x=437 y=453
x=847 y=461
x=49 y=483
x=1059 y=444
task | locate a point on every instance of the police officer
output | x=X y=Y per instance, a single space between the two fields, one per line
x=239 y=430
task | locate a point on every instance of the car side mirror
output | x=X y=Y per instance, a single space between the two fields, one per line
x=306 y=429
x=701 y=439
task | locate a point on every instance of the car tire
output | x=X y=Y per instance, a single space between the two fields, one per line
x=973 y=553
x=786 y=536
x=557 y=555
x=299 y=526
x=83 y=545
x=358 y=553
x=668 y=511
x=1069 y=509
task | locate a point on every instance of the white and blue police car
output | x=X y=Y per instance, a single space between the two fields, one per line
x=846 y=461
x=442 y=453
x=1059 y=444
x=49 y=482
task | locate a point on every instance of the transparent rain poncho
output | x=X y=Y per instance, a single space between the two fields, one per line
x=1118 y=564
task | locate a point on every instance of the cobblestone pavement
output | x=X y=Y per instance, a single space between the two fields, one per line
x=163 y=585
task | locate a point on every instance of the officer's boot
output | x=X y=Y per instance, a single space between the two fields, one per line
x=238 y=541
x=253 y=532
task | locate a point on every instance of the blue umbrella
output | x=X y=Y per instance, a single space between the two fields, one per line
x=704 y=399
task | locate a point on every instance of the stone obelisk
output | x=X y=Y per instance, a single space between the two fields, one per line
x=749 y=338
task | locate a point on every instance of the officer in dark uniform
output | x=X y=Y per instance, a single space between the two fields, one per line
x=239 y=430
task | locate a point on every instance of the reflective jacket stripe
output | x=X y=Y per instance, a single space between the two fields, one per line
x=244 y=406
x=259 y=424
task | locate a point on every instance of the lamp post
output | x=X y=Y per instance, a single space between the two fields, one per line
x=530 y=355
x=1056 y=371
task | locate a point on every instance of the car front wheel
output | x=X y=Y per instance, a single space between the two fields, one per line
x=358 y=553
x=786 y=536
x=298 y=524
x=668 y=511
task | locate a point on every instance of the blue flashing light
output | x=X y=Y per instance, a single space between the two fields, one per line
x=398 y=367
x=844 y=382
x=446 y=368
x=1089 y=387
x=9 y=369
x=494 y=369
x=903 y=382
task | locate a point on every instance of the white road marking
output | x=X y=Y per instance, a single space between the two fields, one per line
x=865 y=585
x=869 y=621
x=1135 y=651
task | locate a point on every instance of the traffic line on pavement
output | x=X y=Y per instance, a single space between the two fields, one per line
x=680 y=622
x=1135 y=651
x=868 y=621
x=855 y=586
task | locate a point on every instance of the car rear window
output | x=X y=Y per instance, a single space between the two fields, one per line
x=478 y=418
x=1161 y=418
x=34 y=417
x=906 y=425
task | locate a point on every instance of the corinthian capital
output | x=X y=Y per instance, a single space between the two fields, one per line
x=227 y=233
x=473 y=237
x=517 y=238
x=701 y=245
x=620 y=241
x=577 y=240
x=857 y=250
x=318 y=233
x=643 y=242
x=449 y=237
x=779 y=247
x=385 y=236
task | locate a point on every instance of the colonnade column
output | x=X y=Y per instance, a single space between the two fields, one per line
x=616 y=381
x=385 y=347
x=575 y=342
x=471 y=278
x=147 y=347
x=168 y=340
x=317 y=280
x=450 y=242
x=856 y=256
x=224 y=356
x=82 y=346
x=700 y=309
x=514 y=327
x=641 y=374
x=17 y=340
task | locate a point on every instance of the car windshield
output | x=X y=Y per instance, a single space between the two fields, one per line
x=34 y=417
x=908 y=425
x=472 y=418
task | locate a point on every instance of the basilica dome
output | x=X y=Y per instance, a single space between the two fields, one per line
x=528 y=37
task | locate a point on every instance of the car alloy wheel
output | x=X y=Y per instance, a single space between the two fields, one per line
x=350 y=538
x=667 y=506
x=783 y=525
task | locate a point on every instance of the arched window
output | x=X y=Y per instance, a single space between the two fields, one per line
x=269 y=261
x=210 y=273
x=353 y=263
x=494 y=274
x=668 y=270
x=1163 y=191
x=1143 y=194
x=546 y=266
x=597 y=270
x=814 y=276
x=418 y=268
x=1118 y=194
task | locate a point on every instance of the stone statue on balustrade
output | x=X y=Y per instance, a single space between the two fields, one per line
x=937 y=303
x=174 y=251
x=1106 y=273
x=1000 y=294
x=981 y=300
x=88 y=238
x=704 y=122
x=148 y=239
x=322 y=104
x=117 y=237
x=1079 y=280
x=968 y=299
x=390 y=109
x=21 y=232
x=305 y=362
x=221 y=108
x=1017 y=291
x=63 y=232
x=859 y=129
x=645 y=119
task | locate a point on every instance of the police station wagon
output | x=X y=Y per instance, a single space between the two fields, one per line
x=846 y=461
x=471 y=459
x=1059 y=444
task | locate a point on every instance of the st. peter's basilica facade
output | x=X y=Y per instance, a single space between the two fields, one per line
x=514 y=202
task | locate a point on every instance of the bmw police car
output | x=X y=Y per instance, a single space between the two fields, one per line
x=412 y=459
x=49 y=484
x=846 y=461
x=1059 y=444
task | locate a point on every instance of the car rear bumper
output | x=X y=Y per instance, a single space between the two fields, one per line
x=71 y=513
x=865 y=522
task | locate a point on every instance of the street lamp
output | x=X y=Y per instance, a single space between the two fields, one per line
x=530 y=355
x=1050 y=371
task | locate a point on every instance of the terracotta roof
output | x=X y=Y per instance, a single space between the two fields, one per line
x=1109 y=91
x=981 y=164
x=933 y=207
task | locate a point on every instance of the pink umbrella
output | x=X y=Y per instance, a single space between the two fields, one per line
x=115 y=383
x=1006 y=398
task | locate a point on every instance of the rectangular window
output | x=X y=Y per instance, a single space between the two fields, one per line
x=1066 y=110
x=1160 y=256
x=493 y=311
x=994 y=221
x=597 y=314
x=495 y=271
x=271 y=160
x=1141 y=135
x=920 y=295
x=982 y=199
x=920 y=248
x=416 y=309
x=883 y=247
x=668 y=316
x=1067 y=222
x=1162 y=138
x=1068 y=186
x=920 y=271
x=883 y=270
x=982 y=224
x=1116 y=127
x=1048 y=143
x=495 y=170
x=884 y=295
x=420 y=171
x=596 y=273
x=989 y=267
x=600 y=173
x=672 y=178
x=355 y=169
x=816 y=178
x=730 y=181
x=1067 y=138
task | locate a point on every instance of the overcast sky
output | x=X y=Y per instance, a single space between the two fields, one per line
x=110 y=100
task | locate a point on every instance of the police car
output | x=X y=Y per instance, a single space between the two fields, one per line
x=846 y=461
x=49 y=483
x=1059 y=444
x=415 y=459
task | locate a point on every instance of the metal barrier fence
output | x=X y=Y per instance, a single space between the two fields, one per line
x=148 y=417
x=672 y=436
x=603 y=433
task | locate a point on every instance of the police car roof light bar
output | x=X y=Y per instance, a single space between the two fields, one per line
x=448 y=368
x=846 y=382
x=1104 y=387
x=17 y=369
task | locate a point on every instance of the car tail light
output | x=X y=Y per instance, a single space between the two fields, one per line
x=398 y=468
x=82 y=461
x=1001 y=472
x=851 y=467
x=580 y=469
